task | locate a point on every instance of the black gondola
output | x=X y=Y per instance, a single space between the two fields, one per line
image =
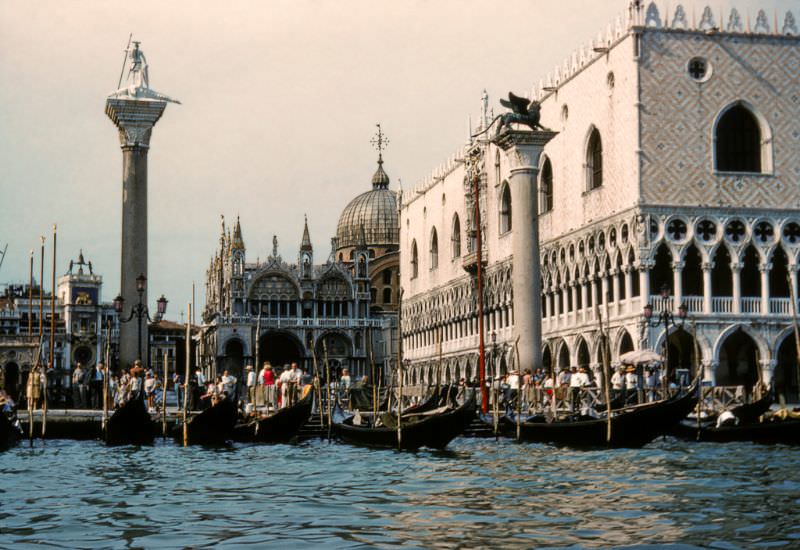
x=770 y=430
x=213 y=426
x=434 y=430
x=631 y=427
x=751 y=412
x=131 y=424
x=279 y=427
x=9 y=432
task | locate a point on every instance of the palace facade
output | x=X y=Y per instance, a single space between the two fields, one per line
x=673 y=180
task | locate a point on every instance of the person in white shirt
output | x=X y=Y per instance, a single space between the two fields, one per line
x=577 y=380
x=250 y=380
x=228 y=384
x=286 y=382
x=295 y=379
x=631 y=383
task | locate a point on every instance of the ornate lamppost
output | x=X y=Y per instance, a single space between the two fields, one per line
x=664 y=318
x=140 y=311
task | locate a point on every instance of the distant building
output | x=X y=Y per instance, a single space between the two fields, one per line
x=676 y=166
x=344 y=308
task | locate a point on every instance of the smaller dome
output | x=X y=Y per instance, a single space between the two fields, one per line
x=380 y=180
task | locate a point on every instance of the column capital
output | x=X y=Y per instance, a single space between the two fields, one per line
x=765 y=267
x=523 y=147
x=135 y=119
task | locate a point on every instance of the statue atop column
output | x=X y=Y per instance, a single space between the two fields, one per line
x=138 y=81
x=523 y=111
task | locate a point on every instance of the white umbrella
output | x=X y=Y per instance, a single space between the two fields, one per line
x=640 y=356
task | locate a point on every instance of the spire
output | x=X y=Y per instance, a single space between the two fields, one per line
x=362 y=238
x=380 y=180
x=306 y=244
x=238 y=242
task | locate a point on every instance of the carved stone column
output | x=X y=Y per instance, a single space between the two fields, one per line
x=523 y=149
x=615 y=289
x=710 y=371
x=707 y=287
x=736 y=273
x=135 y=119
x=765 y=269
x=677 y=271
x=628 y=288
x=584 y=303
x=768 y=371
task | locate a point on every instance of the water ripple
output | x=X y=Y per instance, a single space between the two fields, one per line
x=477 y=494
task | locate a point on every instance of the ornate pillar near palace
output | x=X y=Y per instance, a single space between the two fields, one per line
x=523 y=149
x=134 y=109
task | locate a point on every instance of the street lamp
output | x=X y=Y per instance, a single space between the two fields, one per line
x=665 y=317
x=140 y=310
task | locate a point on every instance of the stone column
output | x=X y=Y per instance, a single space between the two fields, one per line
x=615 y=289
x=736 y=272
x=677 y=272
x=792 y=283
x=644 y=282
x=573 y=289
x=628 y=288
x=707 y=287
x=523 y=149
x=768 y=371
x=710 y=371
x=584 y=303
x=765 y=269
x=134 y=119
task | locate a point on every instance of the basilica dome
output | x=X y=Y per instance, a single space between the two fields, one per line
x=375 y=211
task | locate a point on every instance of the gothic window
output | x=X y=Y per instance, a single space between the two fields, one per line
x=661 y=274
x=497 y=166
x=387 y=295
x=546 y=187
x=706 y=230
x=735 y=231
x=387 y=276
x=692 y=274
x=414 y=260
x=791 y=232
x=373 y=294
x=721 y=274
x=738 y=141
x=779 y=274
x=455 y=239
x=594 y=161
x=505 y=209
x=434 y=249
x=764 y=232
x=750 y=275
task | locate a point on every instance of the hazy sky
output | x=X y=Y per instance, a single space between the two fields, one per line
x=280 y=101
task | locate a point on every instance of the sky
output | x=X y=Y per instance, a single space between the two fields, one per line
x=279 y=103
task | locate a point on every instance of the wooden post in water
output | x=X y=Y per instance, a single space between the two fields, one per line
x=399 y=405
x=105 y=380
x=164 y=395
x=373 y=376
x=698 y=366
x=328 y=377
x=186 y=378
x=793 y=300
x=519 y=389
x=319 y=383
x=606 y=372
x=30 y=298
x=51 y=355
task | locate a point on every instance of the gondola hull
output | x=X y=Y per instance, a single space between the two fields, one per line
x=131 y=424
x=213 y=426
x=770 y=431
x=435 y=431
x=9 y=433
x=634 y=427
x=280 y=427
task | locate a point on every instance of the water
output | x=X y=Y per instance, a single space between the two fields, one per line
x=477 y=494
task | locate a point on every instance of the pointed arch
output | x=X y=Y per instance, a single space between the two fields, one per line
x=546 y=186
x=661 y=274
x=721 y=273
x=779 y=274
x=434 y=249
x=414 y=259
x=692 y=273
x=455 y=237
x=594 y=160
x=742 y=140
x=750 y=274
x=505 y=208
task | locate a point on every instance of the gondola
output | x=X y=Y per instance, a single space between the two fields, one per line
x=131 y=424
x=213 y=426
x=9 y=432
x=769 y=431
x=279 y=427
x=751 y=412
x=630 y=427
x=433 y=429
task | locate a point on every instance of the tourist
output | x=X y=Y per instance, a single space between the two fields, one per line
x=210 y=397
x=286 y=382
x=650 y=384
x=631 y=384
x=512 y=388
x=78 y=387
x=295 y=380
x=179 y=388
x=250 y=380
x=578 y=380
x=97 y=385
x=618 y=382
x=228 y=384
x=345 y=382
x=201 y=379
x=563 y=383
x=149 y=390
x=135 y=383
x=34 y=387
x=268 y=380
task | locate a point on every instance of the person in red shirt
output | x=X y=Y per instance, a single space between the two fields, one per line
x=268 y=381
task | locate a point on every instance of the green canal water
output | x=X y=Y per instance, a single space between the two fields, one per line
x=477 y=494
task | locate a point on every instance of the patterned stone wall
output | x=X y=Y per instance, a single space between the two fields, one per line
x=678 y=116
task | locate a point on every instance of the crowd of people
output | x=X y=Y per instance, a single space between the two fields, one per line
x=576 y=387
